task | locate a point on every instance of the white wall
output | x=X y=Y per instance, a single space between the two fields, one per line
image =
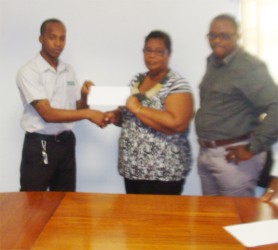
x=104 y=44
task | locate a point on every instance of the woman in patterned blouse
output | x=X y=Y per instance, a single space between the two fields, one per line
x=154 y=152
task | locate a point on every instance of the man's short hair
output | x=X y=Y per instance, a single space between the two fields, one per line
x=44 y=24
x=229 y=18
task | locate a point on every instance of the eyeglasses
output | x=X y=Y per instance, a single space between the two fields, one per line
x=222 y=36
x=157 y=52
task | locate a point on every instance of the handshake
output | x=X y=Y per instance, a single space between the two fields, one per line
x=102 y=119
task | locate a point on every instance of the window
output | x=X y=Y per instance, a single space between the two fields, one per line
x=259 y=27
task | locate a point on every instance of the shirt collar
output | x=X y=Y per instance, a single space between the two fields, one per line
x=225 y=61
x=45 y=66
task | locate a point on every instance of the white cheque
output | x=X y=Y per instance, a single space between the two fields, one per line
x=108 y=95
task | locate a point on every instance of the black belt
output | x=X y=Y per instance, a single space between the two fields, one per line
x=219 y=143
x=56 y=138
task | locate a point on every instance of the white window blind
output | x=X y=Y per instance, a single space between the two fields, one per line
x=259 y=31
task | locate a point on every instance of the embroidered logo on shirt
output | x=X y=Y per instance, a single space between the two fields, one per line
x=70 y=83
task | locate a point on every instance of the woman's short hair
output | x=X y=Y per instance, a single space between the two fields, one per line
x=158 y=34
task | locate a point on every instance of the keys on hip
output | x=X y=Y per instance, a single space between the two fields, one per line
x=44 y=153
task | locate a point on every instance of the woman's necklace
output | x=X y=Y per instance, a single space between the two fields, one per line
x=151 y=92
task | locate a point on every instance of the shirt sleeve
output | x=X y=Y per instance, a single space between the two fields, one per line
x=30 y=87
x=178 y=84
x=262 y=93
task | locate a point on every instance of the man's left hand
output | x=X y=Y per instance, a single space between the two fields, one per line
x=238 y=153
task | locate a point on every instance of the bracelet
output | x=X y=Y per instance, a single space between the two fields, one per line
x=138 y=109
x=270 y=190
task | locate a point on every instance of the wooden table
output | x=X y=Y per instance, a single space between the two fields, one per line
x=57 y=220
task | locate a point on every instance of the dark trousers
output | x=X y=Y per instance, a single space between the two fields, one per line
x=154 y=187
x=265 y=177
x=59 y=174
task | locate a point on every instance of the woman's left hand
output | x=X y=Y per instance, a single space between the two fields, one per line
x=133 y=104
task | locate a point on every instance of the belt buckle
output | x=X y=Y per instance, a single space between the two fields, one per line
x=202 y=143
x=213 y=144
x=56 y=138
x=207 y=144
x=210 y=144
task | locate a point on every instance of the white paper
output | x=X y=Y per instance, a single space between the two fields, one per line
x=108 y=95
x=255 y=233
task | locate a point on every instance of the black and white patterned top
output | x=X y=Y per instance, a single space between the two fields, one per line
x=146 y=154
